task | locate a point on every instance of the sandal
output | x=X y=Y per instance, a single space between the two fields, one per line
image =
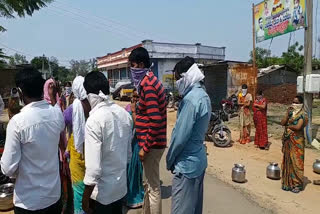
x=316 y=182
x=296 y=190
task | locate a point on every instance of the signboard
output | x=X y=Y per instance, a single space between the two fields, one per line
x=168 y=80
x=277 y=17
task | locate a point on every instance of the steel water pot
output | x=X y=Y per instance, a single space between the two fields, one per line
x=239 y=173
x=273 y=171
x=6 y=196
x=316 y=166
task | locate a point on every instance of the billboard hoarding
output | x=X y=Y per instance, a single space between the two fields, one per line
x=277 y=17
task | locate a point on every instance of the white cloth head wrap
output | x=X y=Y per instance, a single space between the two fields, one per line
x=189 y=79
x=95 y=99
x=78 y=117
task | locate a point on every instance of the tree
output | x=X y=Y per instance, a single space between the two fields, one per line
x=293 y=57
x=60 y=73
x=94 y=65
x=3 y=57
x=81 y=67
x=18 y=59
x=64 y=74
x=10 y=8
x=264 y=59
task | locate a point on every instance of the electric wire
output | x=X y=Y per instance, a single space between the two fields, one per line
x=128 y=28
x=107 y=28
x=30 y=55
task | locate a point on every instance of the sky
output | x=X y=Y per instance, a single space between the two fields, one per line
x=84 y=29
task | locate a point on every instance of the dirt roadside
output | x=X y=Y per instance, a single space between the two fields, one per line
x=267 y=193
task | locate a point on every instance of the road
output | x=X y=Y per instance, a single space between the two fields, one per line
x=219 y=198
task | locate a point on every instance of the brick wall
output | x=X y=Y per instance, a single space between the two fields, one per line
x=283 y=94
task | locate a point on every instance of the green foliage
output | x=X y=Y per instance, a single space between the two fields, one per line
x=264 y=58
x=316 y=64
x=261 y=57
x=64 y=74
x=21 y=8
x=60 y=73
x=82 y=67
x=17 y=59
x=8 y=8
x=293 y=58
x=3 y=62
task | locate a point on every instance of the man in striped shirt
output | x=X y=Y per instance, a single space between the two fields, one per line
x=151 y=126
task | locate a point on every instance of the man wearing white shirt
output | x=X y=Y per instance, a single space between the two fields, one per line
x=108 y=135
x=260 y=33
x=31 y=149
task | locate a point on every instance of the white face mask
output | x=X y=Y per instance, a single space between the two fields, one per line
x=296 y=108
x=189 y=79
x=93 y=99
x=244 y=92
x=180 y=84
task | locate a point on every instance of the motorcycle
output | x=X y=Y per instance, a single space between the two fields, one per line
x=230 y=105
x=170 y=99
x=217 y=132
x=173 y=101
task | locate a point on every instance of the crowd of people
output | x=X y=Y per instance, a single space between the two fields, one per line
x=293 y=139
x=74 y=150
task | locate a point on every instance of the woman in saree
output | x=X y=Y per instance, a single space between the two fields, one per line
x=135 y=193
x=75 y=117
x=293 y=143
x=50 y=94
x=260 y=121
x=245 y=100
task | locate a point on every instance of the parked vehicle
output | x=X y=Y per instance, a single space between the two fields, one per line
x=217 y=132
x=230 y=105
x=170 y=99
x=123 y=90
x=173 y=100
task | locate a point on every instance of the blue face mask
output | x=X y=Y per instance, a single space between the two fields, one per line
x=137 y=75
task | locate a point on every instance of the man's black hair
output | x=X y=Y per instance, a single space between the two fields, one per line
x=260 y=19
x=183 y=65
x=260 y=93
x=95 y=81
x=30 y=81
x=244 y=86
x=300 y=98
x=139 y=55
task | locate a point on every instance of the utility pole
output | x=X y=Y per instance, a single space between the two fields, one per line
x=49 y=66
x=253 y=39
x=254 y=68
x=308 y=97
x=42 y=63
